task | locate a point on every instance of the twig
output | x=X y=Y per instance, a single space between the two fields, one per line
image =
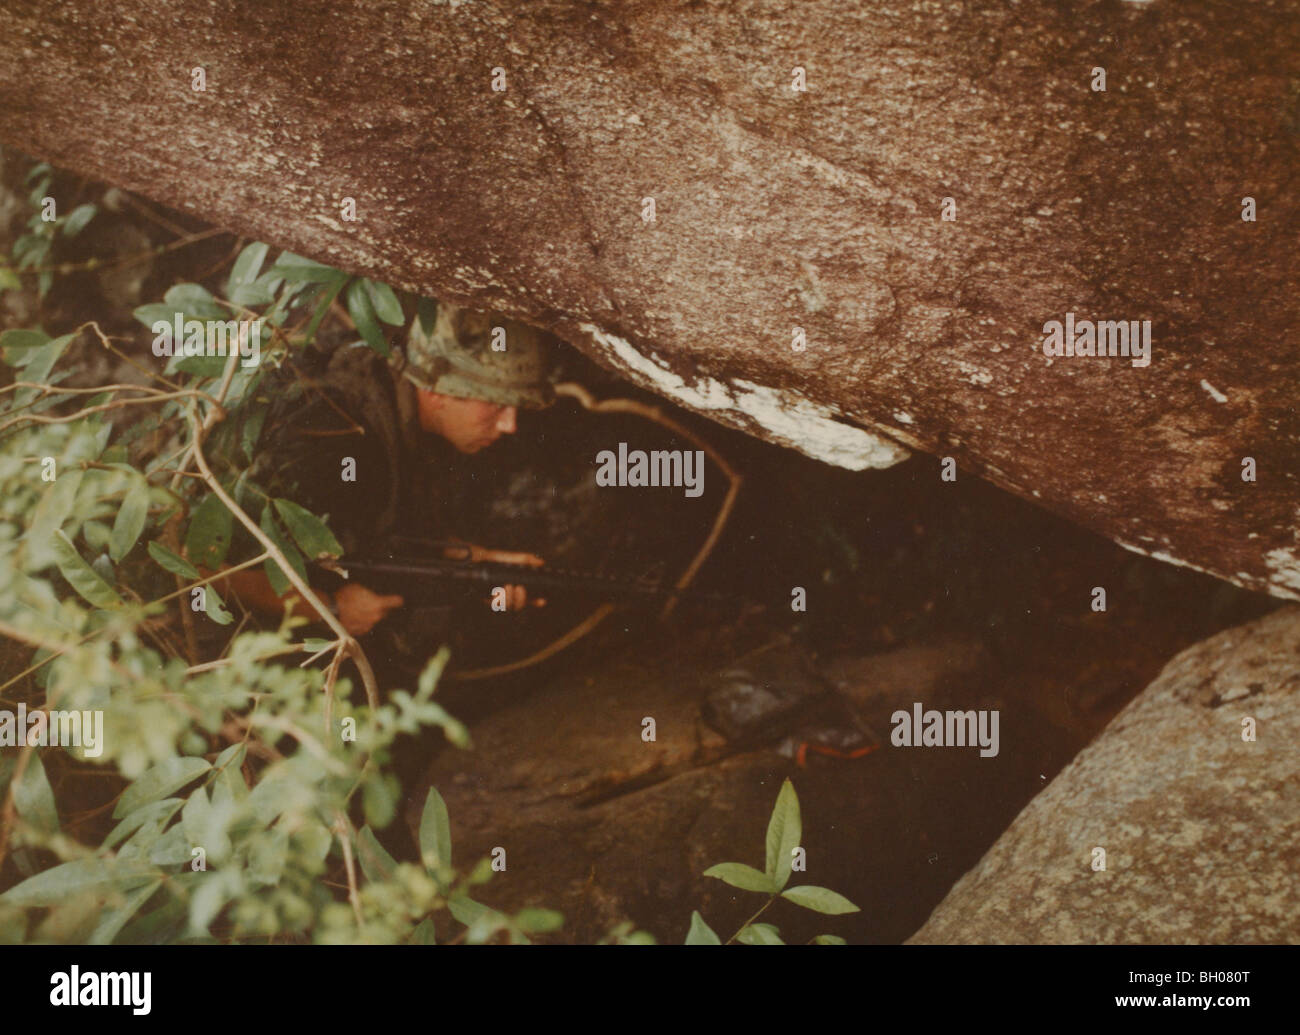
x=734 y=480
x=251 y=562
x=344 y=831
x=128 y=260
x=130 y=360
x=36 y=418
x=348 y=645
x=554 y=647
x=761 y=911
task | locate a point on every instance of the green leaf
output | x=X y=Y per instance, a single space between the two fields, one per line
x=194 y=301
x=539 y=921
x=171 y=849
x=738 y=875
x=700 y=932
x=426 y=313
x=112 y=922
x=482 y=921
x=251 y=432
x=160 y=781
x=330 y=293
x=208 y=538
x=77 y=220
x=26 y=245
x=309 y=531
x=213 y=893
x=34 y=799
x=51 y=512
x=436 y=715
x=156 y=814
x=103 y=567
x=385 y=303
x=19 y=340
x=431 y=673
x=97 y=536
x=249 y=295
x=279 y=582
x=228 y=769
x=435 y=831
x=214 y=607
x=423 y=934
x=200 y=366
x=465 y=909
x=171 y=562
x=163 y=923
x=296 y=269
x=37 y=364
x=379 y=800
x=376 y=863
x=81 y=576
x=823 y=900
x=130 y=520
x=248 y=265
x=156 y=312
x=196 y=817
x=363 y=315
x=829 y=939
x=232 y=758
x=759 y=934
x=267 y=859
x=784 y=830
x=9 y=280
x=59 y=883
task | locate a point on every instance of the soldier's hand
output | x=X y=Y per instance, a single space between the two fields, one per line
x=516 y=596
x=361 y=609
x=482 y=553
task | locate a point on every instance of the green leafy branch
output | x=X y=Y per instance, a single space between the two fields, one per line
x=784 y=831
x=32 y=248
x=218 y=756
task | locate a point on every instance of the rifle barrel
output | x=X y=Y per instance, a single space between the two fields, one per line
x=397 y=574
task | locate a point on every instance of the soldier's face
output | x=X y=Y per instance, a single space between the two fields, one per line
x=468 y=424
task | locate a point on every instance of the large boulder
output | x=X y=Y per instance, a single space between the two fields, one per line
x=1200 y=826
x=777 y=209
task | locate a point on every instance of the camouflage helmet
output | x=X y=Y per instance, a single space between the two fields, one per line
x=455 y=357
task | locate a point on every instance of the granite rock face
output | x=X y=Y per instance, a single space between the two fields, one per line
x=1200 y=827
x=510 y=154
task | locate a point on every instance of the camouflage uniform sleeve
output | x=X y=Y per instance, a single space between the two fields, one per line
x=325 y=456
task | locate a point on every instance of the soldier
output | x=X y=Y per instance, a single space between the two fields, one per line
x=366 y=442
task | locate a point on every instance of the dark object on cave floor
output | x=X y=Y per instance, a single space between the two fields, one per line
x=780 y=696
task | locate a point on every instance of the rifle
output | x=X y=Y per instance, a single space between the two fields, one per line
x=420 y=579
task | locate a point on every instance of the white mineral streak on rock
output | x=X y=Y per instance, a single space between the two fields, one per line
x=786 y=417
x=811 y=429
x=1158 y=555
x=1284 y=566
x=1215 y=394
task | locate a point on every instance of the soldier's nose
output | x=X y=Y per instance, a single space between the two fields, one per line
x=506 y=422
